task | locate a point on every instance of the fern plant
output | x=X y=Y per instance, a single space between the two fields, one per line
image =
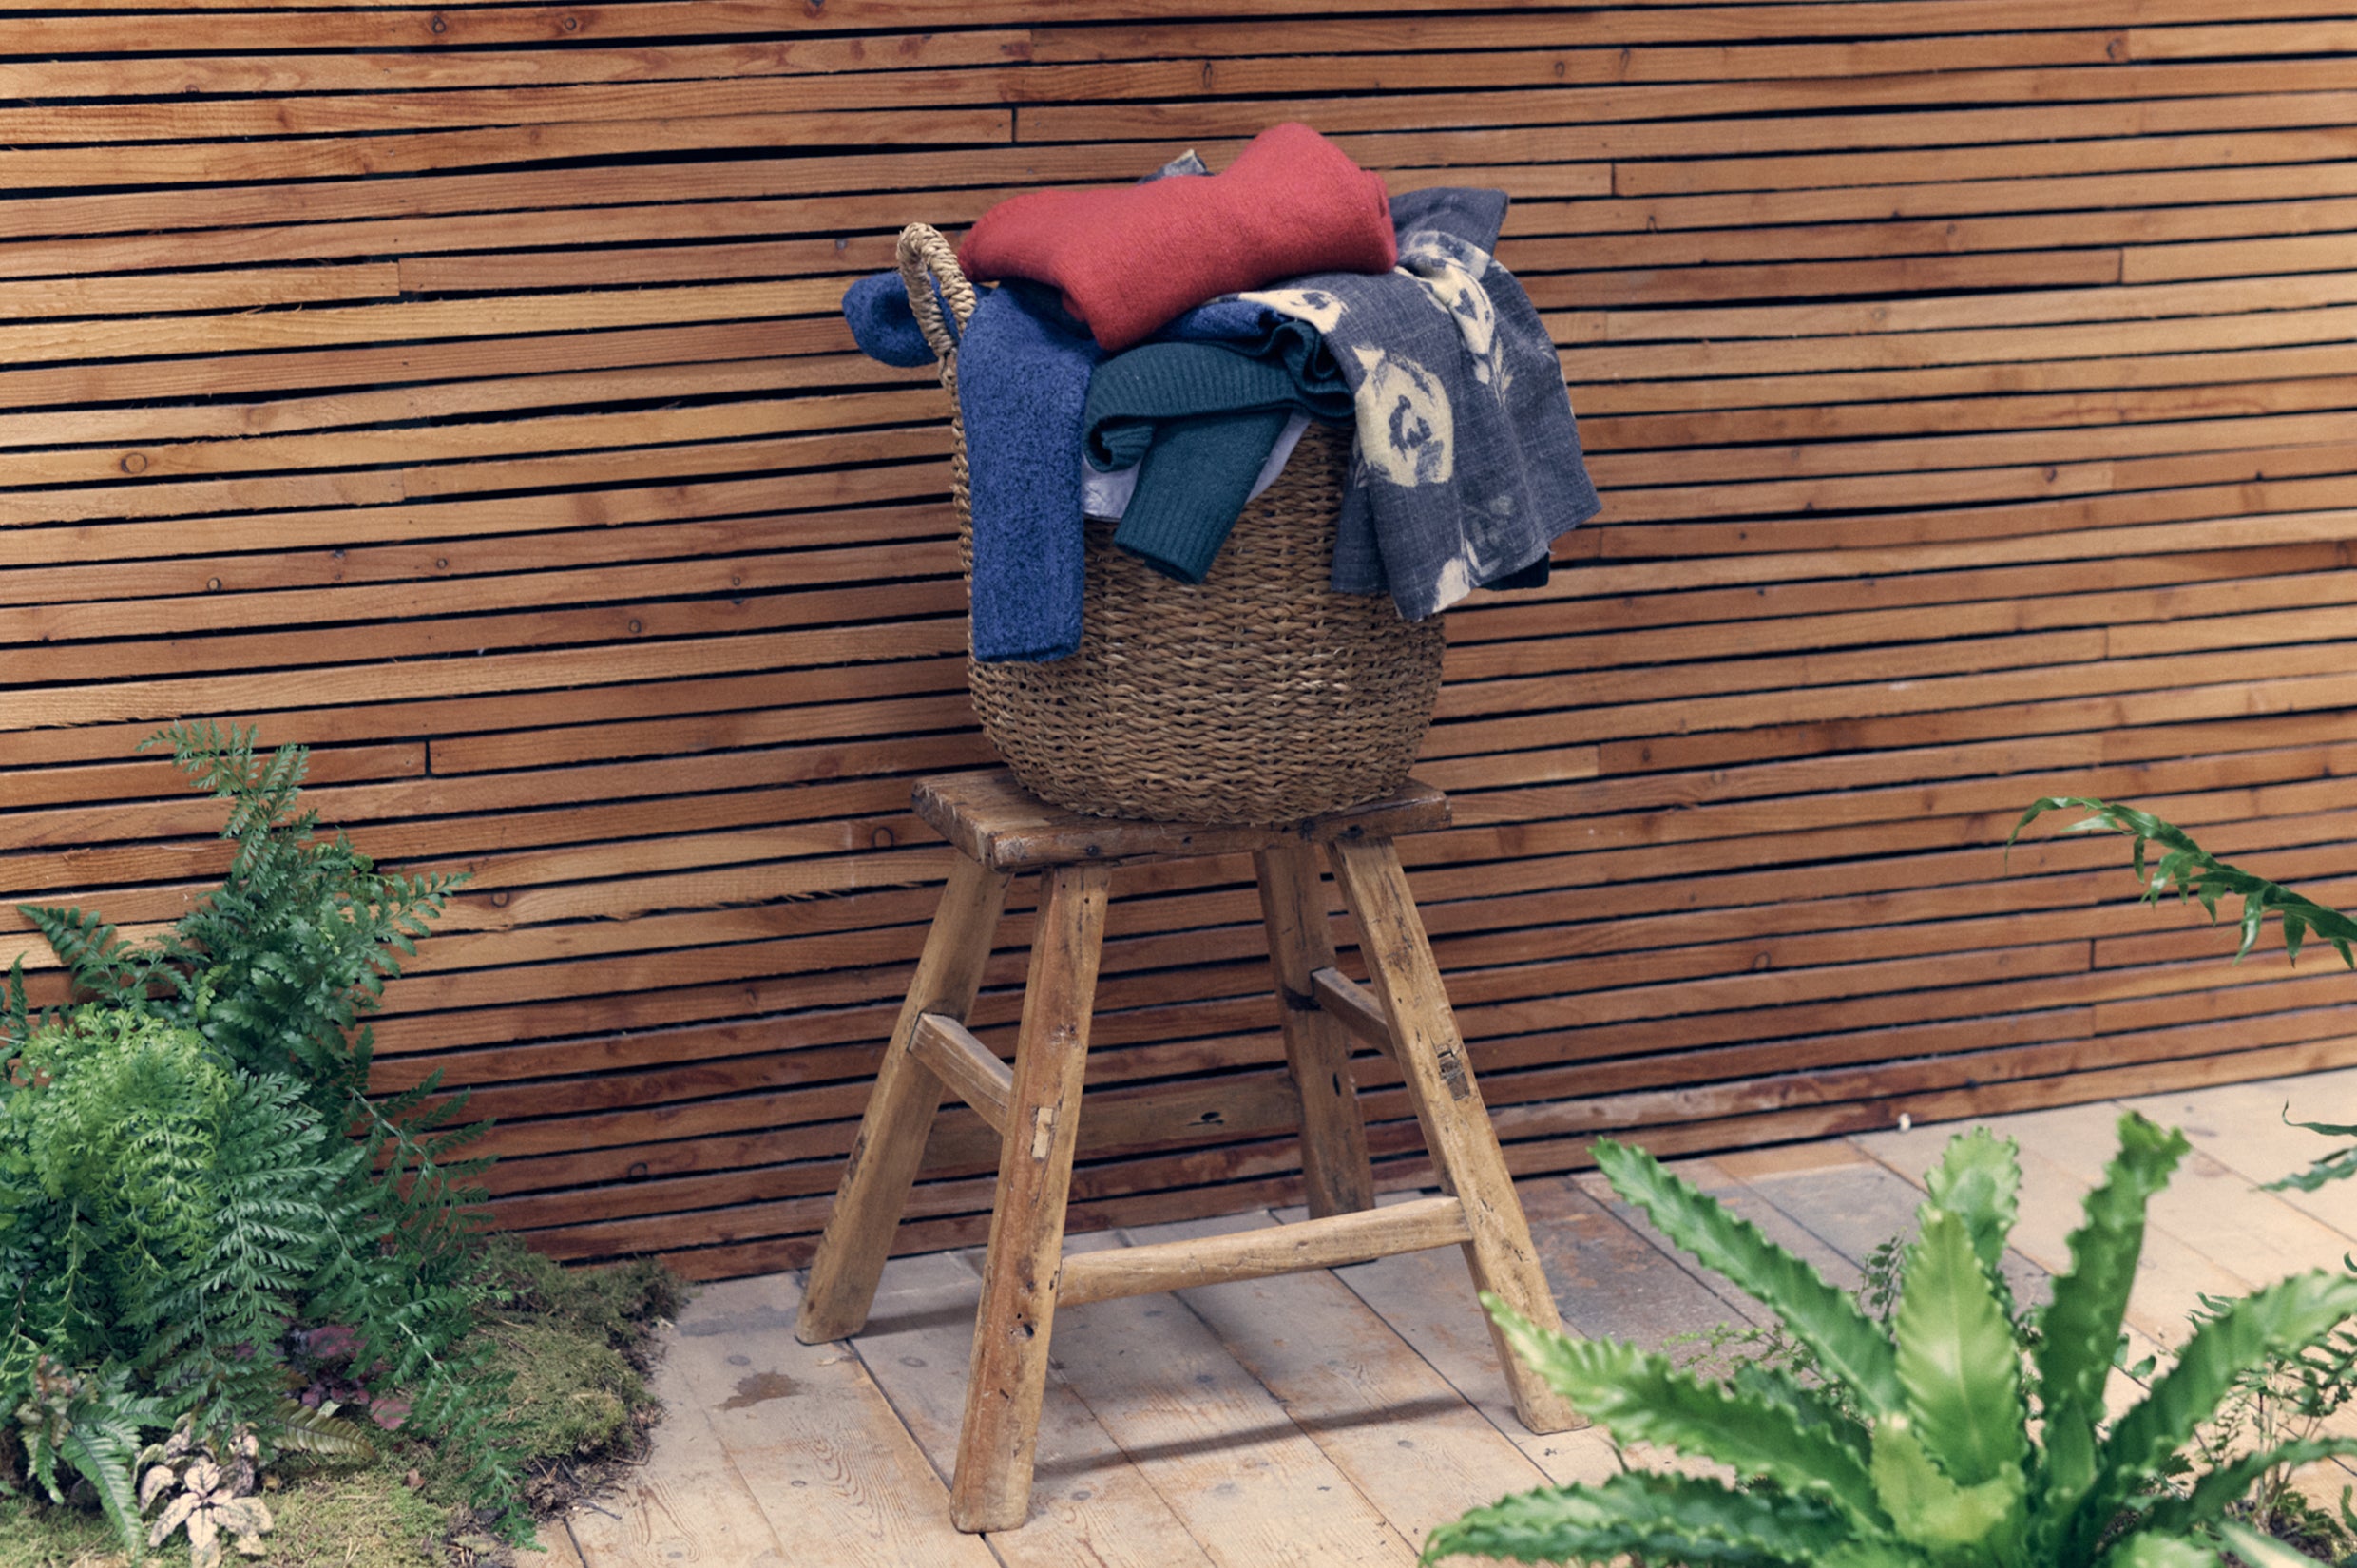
x=190 y=1162
x=2277 y=1406
x=167 y=1210
x=1954 y=1442
x=279 y=966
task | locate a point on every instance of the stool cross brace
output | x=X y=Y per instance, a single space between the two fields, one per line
x=1034 y=1104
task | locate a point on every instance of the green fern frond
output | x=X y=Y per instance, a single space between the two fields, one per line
x=1641 y=1397
x=1845 y=1342
x=308 y=1430
x=15 y=1017
x=2192 y=872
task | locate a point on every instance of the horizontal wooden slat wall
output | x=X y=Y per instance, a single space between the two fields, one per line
x=458 y=392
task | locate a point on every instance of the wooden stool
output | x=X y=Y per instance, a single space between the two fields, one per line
x=999 y=830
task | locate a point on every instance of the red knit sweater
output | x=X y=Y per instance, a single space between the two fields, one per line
x=1130 y=258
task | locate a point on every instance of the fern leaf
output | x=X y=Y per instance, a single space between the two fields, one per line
x=1971 y=1523
x=1979 y=1180
x=2150 y=1551
x=1657 y=1517
x=15 y=1014
x=2338 y=1166
x=2192 y=872
x=1957 y=1358
x=2258 y=1550
x=99 y=1437
x=1641 y=1397
x=1845 y=1344
x=2206 y=1503
x=2283 y=1318
x=105 y=1461
x=2079 y=1329
x=313 y=1431
x=1812 y=1408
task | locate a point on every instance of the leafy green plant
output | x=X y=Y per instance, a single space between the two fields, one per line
x=2279 y=1407
x=2337 y=1166
x=91 y=1423
x=579 y=1342
x=166 y=1211
x=192 y=1171
x=1957 y=1442
x=204 y=1494
x=2290 y=1396
x=2194 y=873
x=1726 y=1347
x=278 y=969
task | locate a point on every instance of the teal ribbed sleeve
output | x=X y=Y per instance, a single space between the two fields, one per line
x=1198 y=420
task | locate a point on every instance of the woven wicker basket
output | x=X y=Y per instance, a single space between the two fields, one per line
x=1259 y=695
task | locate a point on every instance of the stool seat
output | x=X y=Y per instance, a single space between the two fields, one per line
x=994 y=821
x=999 y=830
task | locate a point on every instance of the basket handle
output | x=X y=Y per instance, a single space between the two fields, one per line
x=925 y=257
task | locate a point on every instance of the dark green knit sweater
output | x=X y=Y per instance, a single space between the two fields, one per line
x=1198 y=421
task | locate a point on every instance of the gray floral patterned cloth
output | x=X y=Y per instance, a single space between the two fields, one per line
x=1467 y=461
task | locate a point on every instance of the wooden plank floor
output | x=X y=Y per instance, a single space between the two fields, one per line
x=1333 y=1418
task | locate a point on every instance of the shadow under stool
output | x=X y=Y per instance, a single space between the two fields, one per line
x=1000 y=830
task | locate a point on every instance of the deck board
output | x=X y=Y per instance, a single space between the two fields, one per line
x=2242 y=1127
x=1334 y=1417
x=1427 y=1300
x=1222 y=1450
x=810 y=1437
x=1091 y=1506
x=1348 y=1380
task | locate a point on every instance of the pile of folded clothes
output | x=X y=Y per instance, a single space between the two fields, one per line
x=1152 y=353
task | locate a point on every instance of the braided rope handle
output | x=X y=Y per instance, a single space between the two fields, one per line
x=925 y=257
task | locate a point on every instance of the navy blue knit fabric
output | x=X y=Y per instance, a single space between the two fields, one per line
x=883 y=326
x=1023 y=381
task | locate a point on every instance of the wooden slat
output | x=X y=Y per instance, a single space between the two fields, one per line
x=1326 y=1243
x=839 y=1465
x=993 y=820
x=969 y=1068
x=1350 y=1002
x=1353 y=1379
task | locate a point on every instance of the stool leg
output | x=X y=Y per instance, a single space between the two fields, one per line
x=1334 y=1135
x=992 y=1488
x=890 y=1144
x=1456 y=1123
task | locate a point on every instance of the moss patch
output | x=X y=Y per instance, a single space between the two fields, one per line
x=34 y=1535
x=571 y=1395
x=618 y=1301
x=576 y=1344
x=368 y=1517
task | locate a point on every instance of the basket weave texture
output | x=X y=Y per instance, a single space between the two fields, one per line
x=1259 y=695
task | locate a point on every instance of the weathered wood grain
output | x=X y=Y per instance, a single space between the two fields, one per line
x=1092 y=1505
x=461 y=392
